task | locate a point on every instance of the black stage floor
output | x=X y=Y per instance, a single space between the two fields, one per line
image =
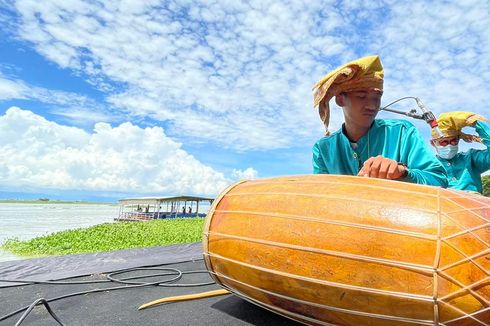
x=120 y=307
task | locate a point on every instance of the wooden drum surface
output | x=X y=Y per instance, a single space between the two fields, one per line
x=343 y=250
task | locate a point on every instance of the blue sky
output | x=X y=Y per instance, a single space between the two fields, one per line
x=116 y=98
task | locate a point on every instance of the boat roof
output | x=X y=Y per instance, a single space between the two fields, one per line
x=156 y=200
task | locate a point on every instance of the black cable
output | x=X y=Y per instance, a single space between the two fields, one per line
x=30 y=282
x=75 y=294
x=167 y=284
x=35 y=303
x=110 y=278
x=400 y=99
x=412 y=113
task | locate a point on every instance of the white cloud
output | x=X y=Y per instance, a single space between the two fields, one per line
x=247 y=174
x=10 y=89
x=37 y=153
x=194 y=62
x=78 y=109
x=82 y=114
x=439 y=51
x=239 y=74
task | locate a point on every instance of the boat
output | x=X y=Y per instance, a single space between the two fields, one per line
x=151 y=208
x=348 y=250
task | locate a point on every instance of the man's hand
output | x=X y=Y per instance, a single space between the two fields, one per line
x=382 y=168
x=473 y=119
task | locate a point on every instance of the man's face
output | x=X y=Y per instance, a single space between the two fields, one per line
x=360 y=107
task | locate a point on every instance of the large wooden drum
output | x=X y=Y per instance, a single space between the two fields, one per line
x=343 y=250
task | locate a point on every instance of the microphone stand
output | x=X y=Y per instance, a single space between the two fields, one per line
x=426 y=115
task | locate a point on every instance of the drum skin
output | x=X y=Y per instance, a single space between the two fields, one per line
x=346 y=250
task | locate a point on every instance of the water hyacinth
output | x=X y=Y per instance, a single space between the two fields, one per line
x=109 y=237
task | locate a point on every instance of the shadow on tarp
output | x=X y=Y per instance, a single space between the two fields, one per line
x=250 y=313
x=120 y=307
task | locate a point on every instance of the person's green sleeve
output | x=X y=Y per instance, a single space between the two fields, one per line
x=423 y=166
x=318 y=163
x=481 y=158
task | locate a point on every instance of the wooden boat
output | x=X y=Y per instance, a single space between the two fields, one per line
x=344 y=250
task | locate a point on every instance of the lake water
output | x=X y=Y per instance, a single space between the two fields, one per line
x=27 y=221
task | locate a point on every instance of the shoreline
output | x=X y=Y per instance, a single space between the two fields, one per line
x=45 y=202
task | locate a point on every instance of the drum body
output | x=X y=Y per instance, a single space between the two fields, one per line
x=344 y=250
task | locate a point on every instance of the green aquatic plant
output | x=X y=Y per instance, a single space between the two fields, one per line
x=109 y=237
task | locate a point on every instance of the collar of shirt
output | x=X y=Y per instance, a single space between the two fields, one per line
x=352 y=142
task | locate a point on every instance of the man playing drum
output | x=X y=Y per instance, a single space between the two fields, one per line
x=365 y=146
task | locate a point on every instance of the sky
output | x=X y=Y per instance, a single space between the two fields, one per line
x=110 y=99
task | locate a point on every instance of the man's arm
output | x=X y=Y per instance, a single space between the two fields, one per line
x=481 y=158
x=423 y=166
x=318 y=163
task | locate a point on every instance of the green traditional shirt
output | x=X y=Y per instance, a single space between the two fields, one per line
x=398 y=140
x=464 y=169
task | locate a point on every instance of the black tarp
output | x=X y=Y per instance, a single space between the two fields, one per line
x=59 y=267
x=120 y=307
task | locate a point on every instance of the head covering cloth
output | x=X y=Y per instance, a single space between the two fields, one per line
x=451 y=123
x=363 y=73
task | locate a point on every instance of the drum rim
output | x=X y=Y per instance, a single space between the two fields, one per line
x=207 y=223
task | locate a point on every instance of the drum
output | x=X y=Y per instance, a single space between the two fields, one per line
x=346 y=250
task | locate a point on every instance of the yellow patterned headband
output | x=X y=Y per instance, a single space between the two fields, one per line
x=363 y=73
x=451 y=123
